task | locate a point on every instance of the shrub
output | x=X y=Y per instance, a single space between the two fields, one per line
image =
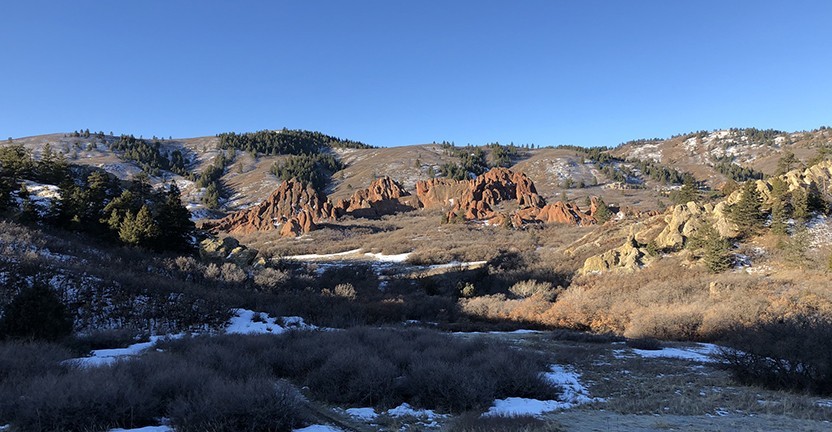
x=532 y=287
x=794 y=353
x=585 y=337
x=344 y=380
x=644 y=344
x=230 y=406
x=92 y=399
x=36 y=314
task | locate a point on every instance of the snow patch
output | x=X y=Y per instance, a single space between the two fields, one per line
x=247 y=321
x=405 y=410
x=318 y=428
x=312 y=257
x=573 y=393
x=703 y=353
x=145 y=429
x=105 y=357
x=366 y=414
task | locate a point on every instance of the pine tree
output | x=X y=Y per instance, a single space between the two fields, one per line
x=779 y=217
x=747 y=212
x=139 y=230
x=800 y=205
x=796 y=246
x=174 y=222
x=602 y=212
x=36 y=314
x=716 y=250
x=779 y=206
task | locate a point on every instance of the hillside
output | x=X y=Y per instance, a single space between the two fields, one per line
x=565 y=283
x=698 y=152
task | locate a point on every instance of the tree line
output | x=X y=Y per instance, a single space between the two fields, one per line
x=94 y=202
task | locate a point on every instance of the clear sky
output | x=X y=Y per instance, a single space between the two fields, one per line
x=392 y=72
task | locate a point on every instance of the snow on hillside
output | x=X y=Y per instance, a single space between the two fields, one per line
x=41 y=195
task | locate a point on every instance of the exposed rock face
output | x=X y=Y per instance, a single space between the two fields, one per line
x=628 y=257
x=287 y=202
x=684 y=220
x=384 y=196
x=568 y=213
x=299 y=224
x=440 y=192
x=493 y=187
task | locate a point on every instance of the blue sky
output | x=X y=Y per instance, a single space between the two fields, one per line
x=394 y=72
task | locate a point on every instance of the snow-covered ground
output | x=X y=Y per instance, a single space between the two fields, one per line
x=244 y=321
x=365 y=414
x=145 y=429
x=573 y=393
x=820 y=231
x=104 y=357
x=701 y=352
x=247 y=321
x=318 y=428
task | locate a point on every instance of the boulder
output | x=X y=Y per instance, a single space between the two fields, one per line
x=217 y=249
x=242 y=256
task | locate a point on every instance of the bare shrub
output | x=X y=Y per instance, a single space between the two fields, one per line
x=344 y=379
x=269 y=279
x=212 y=271
x=585 y=337
x=91 y=399
x=644 y=344
x=532 y=287
x=345 y=290
x=230 y=406
x=232 y=273
x=794 y=353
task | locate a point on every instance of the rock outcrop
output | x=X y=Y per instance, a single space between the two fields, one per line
x=440 y=192
x=226 y=249
x=384 y=196
x=299 y=224
x=564 y=213
x=628 y=257
x=495 y=186
x=291 y=199
x=684 y=220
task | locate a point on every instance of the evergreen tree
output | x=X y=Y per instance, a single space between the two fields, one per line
x=786 y=163
x=780 y=206
x=139 y=229
x=686 y=194
x=796 y=246
x=36 y=314
x=779 y=217
x=174 y=222
x=800 y=205
x=747 y=212
x=716 y=250
x=602 y=212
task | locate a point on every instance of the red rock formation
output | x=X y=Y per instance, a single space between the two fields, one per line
x=440 y=192
x=564 y=213
x=287 y=202
x=301 y=223
x=493 y=187
x=383 y=196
